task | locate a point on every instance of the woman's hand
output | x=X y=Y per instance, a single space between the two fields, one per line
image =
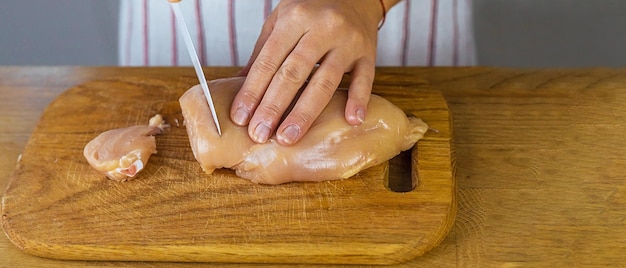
x=340 y=35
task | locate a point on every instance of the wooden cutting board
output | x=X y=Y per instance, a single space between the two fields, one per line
x=57 y=206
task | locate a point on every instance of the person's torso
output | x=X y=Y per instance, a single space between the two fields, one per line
x=415 y=32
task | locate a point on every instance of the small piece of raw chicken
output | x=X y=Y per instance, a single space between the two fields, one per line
x=332 y=149
x=121 y=153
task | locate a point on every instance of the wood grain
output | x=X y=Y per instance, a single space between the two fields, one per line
x=539 y=160
x=57 y=206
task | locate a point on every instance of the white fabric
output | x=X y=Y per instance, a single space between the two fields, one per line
x=415 y=33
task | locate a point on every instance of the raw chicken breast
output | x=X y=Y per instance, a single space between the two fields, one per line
x=121 y=153
x=330 y=150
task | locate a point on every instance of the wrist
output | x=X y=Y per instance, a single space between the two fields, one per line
x=385 y=5
x=384 y=12
x=390 y=3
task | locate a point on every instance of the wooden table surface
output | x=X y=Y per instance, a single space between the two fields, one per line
x=540 y=160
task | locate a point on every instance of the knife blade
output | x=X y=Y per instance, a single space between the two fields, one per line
x=194 y=59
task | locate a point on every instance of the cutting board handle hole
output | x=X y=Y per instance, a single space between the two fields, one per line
x=400 y=178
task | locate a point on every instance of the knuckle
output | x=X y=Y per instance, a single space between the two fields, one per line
x=302 y=118
x=360 y=99
x=334 y=18
x=250 y=96
x=271 y=110
x=266 y=65
x=293 y=73
x=355 y=37
x=299 y=9
x=325 y=87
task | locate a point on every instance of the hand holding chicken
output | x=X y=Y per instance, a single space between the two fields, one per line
x=332 y=149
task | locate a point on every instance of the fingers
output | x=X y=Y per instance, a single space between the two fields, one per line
x=274 y=51
x=283 y=87
x=279 y=95
x=291 y=42
x=359 y=91
x=312 y=101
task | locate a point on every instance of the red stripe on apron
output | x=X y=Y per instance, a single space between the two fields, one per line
x=405 y=32
x=455 y=38
x=199 y=21
x=129 y=34
x=146 y=61
x=432 y=39
x=174 y=43
x=267 y=9
x=234 y=57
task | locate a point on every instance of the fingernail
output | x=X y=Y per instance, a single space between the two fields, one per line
x=290 y=134
x=360 y=115
x=241 y=116
x=261 y=133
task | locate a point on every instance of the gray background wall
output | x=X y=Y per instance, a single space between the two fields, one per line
x=58 y=32
x=551 y=33
x=517 y=33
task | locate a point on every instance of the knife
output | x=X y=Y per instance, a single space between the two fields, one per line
x=194 y=59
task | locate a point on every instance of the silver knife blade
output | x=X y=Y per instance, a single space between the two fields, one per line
x=194 y=59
